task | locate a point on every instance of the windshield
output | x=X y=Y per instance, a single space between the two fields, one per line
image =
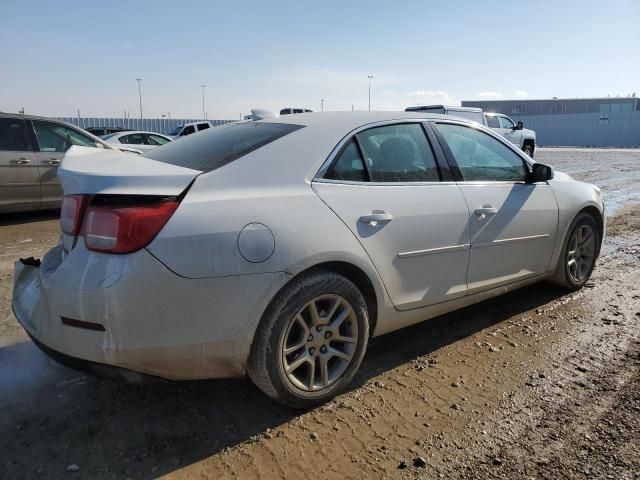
x=106 y=137
x=221 y=145
x=176 y=130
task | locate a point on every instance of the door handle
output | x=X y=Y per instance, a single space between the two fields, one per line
x=375 y=217
x=484 y=211
x=52 y=161
x=20 y=161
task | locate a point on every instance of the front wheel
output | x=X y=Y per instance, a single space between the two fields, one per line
x=579 y=254
x=311 y=340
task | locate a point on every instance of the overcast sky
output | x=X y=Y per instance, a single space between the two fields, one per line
x=60 y=56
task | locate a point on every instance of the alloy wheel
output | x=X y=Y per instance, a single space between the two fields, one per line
x=581 y=253
x=319 y=343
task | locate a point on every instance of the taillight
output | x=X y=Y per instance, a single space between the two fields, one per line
x=123 y=229
x=71 y=213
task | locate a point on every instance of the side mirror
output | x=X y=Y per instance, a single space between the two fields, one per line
x=519 y=125
x=540 y=173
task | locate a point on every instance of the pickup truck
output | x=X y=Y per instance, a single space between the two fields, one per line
x=514 y=132
x=188 y=128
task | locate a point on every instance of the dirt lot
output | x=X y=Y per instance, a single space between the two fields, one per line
x=535 y=384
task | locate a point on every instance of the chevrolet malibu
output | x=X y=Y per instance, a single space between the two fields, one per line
x=277 y=248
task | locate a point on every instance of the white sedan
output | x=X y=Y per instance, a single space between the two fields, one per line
x=277 y=248
x=143 y=141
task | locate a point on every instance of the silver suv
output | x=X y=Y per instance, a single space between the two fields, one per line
x=31 y=149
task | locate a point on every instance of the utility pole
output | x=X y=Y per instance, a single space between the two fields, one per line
x=370 y=77
x=322 y=104
x=139 y=80
x=204 y=116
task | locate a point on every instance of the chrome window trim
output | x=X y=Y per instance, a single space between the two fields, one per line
x=380 y=184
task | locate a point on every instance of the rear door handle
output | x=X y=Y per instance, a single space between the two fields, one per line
x=484 y=211
x=21 y=161
x=52 y=161
x=375 y=217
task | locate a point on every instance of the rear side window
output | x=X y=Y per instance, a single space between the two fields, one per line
x=221 y=145
x=156 y=139
x=348 y=166
x=133 y=139
x=12 y=135
x=398 y=153
x=188 y=130
x=493 y=122
x=203 y=126
x=55 y=137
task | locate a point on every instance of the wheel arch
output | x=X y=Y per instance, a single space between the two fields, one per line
x=531 y=143
x=599 y=219
x=355 y=275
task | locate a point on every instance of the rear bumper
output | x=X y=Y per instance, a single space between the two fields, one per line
x=155 y=322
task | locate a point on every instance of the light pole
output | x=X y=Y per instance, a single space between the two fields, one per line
x=370 y=77
x=322 y=104
x=139 y=80
x=203 y=114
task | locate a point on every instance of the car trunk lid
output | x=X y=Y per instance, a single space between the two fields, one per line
x=86 y=170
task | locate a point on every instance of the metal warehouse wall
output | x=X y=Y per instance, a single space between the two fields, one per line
x=592 y=129
x=159 y=125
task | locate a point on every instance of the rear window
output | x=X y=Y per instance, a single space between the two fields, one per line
x=218 y=146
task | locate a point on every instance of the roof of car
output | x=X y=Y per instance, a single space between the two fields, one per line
x=348 y=120
x=129 y=132
x=30 y=117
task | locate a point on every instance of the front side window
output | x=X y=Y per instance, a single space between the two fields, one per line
x=480 y=156
x=55 y=137
x=203 y=126
x=188 y=130
x=398 y=153
x=506 y=122
x=222 y=145
x=12 y=135
x=176 y=130
x=348 y=165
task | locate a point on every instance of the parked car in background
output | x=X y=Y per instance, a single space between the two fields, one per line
x=185 y=129
x=100 y=131
x=288 y=111
x=31 y=149
x=137 y=139
x=514 y=132
x=189 y=262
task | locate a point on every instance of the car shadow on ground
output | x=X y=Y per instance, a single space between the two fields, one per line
x=19 y=218
x=115 y=428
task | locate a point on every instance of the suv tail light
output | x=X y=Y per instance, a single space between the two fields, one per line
x=124 y=229
x=71 y=213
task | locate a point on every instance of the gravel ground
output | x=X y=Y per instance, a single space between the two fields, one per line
x=535 y=384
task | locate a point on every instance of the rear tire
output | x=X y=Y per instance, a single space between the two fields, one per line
x=310 y=341
x=579 y=253
x=528 y=150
